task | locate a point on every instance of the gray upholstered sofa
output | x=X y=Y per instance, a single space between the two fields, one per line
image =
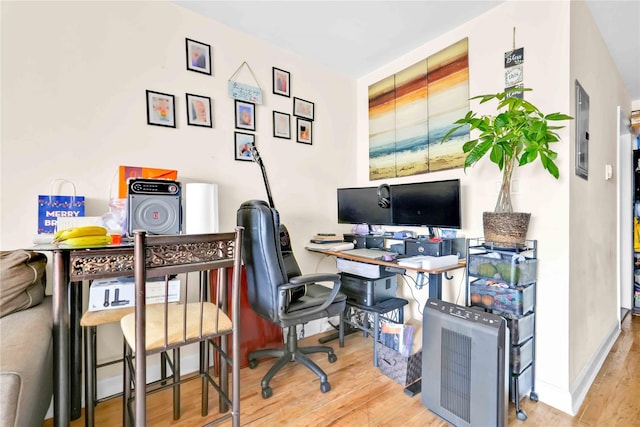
x=26 y=344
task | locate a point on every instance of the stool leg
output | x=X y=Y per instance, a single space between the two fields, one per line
x=376 y=337
x=89 y=375
x=176 y=380
x=341 y=330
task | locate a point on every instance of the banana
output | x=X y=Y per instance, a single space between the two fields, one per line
x=86 y=241
x=82 y=231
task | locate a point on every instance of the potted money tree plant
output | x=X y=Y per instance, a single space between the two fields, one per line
x=518 y=133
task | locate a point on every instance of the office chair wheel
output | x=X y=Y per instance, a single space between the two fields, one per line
x=332 y=358
x=267 y=392
x=253 y=363
x=522 y=416
x=533 y=396
x=325 y=387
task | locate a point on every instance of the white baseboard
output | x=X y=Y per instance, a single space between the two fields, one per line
x=569 y=401
x=109 y=386
x=588 y=374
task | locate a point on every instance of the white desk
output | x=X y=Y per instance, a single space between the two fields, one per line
x=434 y=275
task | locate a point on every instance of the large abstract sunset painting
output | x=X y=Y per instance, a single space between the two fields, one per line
x=410 y=112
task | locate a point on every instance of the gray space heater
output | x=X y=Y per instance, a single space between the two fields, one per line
x=465 y=378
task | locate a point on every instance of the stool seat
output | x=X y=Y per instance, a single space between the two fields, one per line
x=381 y=307
x=102 y=317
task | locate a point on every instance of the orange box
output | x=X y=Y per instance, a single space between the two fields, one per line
x=127 y=172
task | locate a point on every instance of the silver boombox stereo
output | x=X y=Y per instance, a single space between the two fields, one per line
x=154 y=205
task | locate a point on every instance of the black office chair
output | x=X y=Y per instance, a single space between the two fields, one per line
x=285 y=301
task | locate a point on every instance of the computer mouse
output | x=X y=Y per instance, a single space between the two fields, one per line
x=387 y=257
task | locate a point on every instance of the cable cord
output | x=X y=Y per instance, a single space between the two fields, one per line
x=404 y=279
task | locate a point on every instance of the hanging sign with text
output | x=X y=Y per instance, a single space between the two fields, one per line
x=514 y=57
x=514 y=71
x=244 y=92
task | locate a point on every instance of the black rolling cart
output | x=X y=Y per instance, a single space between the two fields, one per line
x=502 y=280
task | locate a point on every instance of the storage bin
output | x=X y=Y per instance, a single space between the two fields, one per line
x=525 y=383
x=520 y=329
x=496 y=296
x=512 y=269
x=401 y=369
x=521 y=356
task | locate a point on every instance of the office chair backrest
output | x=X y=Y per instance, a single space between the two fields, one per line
x=262 y=257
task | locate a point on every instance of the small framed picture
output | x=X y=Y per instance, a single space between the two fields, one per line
x=242 y=145
x=245 y=115
x=303 y=131
x=281 y=80
x=161 y=109
x=199 y=110
x=281 y=125
x=198 y=57
x=302 y=108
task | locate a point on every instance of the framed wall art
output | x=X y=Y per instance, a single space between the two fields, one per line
x=302 y=108
x=281 y=82
x=303 y=131
x=281 y=125
x=199 y=110
x=245 y=115
x=161 y=109
x=242 y=146
x=198 y=57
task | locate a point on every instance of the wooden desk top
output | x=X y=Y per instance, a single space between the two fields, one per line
x=338 y=254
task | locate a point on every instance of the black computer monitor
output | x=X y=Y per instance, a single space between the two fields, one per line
x=430 y=204
x=360 y=206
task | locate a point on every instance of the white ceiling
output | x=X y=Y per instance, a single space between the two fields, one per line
x=356 y=37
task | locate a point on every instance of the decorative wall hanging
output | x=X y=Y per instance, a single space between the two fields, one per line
x=244 y=92
x=199 y=110
x=514 y=69
x=303 y=131
x=302 y=108
x=410 y=112
x=281 y=125
x=160 y=109
x=245 y=115
x=242 y=146
x=198 y=57
x=281 y=82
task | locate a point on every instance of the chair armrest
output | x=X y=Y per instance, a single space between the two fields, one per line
x=316 y=277
x=307 y=279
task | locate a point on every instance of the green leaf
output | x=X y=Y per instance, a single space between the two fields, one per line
x=558 y=116
x=477 y=153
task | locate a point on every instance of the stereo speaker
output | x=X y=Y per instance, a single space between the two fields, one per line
x=154 y=206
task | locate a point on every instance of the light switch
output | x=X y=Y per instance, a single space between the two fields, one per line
x=608 y=172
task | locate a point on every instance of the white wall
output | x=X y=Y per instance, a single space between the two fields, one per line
x=75 y=109
x=73 y=83
x=543 y=29
x=594 y=302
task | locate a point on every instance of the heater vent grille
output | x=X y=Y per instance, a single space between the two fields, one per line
x=455 y=392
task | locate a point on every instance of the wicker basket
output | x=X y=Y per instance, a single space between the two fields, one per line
x=505 y=229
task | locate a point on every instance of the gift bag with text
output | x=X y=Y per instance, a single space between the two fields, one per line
x=54 y=205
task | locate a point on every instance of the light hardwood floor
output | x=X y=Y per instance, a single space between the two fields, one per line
x=362 y=396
